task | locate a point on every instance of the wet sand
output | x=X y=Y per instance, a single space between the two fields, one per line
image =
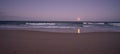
x=38 y=42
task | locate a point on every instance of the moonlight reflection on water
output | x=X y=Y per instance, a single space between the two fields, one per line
x=78 y=30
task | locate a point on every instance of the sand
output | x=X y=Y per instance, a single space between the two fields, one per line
x=38 y=42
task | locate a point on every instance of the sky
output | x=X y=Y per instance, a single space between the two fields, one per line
x=60 y=10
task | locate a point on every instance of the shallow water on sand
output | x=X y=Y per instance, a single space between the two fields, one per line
x=63 y=28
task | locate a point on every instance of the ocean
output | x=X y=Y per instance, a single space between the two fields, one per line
x=61 y=26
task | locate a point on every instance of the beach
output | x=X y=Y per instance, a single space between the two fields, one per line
x=39 y=42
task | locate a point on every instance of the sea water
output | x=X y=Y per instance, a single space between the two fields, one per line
x=62 y=27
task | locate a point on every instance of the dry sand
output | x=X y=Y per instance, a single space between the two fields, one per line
x=37 y=42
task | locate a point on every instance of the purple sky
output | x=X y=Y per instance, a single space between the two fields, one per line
x=60 y=9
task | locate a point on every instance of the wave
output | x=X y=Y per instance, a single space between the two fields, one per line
x=40 y=23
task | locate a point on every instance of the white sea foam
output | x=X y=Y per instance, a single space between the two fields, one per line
x=115 y=24
x=40 y=23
